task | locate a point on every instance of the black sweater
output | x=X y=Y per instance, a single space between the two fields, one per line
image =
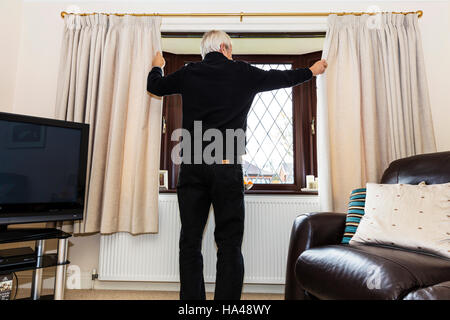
x=219 y=91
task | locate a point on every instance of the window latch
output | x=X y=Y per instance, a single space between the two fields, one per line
x=313 y=126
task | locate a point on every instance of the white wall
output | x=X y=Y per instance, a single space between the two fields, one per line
x=10 y=27
x=42 y=26
x=435 y=28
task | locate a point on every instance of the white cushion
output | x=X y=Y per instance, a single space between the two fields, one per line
x=410 y=216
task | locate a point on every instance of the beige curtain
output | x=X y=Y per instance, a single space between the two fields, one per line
x=373 y=103
x=102 y=81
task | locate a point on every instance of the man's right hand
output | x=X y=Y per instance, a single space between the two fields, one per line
x=158 y=60
x=319 y=67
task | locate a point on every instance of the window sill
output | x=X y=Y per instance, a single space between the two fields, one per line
x=168 y=191
x=259 y=192
x=282 y=192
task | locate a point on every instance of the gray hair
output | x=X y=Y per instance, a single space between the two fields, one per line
x=212 y=40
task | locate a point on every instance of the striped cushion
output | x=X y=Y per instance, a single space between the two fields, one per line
x=354 y=213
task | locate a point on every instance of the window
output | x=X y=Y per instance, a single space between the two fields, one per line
x=281 y=147
x=270 y=149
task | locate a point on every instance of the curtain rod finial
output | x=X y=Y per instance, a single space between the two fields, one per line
x=420 y=13
x=63 y=13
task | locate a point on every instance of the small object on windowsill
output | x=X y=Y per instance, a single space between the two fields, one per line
x=163 y=180
x=308 y=190
x=247 y=184
x=310 y=181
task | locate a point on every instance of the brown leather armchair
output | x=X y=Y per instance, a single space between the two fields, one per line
x=320 y=267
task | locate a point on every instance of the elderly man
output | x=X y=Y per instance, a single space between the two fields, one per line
x=217 y=93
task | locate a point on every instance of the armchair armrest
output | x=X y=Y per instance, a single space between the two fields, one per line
x=439 y=291
x=310 y=230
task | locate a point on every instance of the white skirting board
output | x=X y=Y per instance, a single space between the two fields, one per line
x=154 y=257
x=86 y=283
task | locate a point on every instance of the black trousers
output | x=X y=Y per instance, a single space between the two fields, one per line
x=199 y=186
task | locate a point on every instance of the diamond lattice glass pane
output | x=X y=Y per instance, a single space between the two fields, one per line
x=270 y=150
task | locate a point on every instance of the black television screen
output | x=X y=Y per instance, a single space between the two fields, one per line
x=42 y=169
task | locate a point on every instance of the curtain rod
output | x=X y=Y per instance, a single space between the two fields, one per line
x=241 y=14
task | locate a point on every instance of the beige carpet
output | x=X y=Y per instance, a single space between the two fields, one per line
x=140 y=295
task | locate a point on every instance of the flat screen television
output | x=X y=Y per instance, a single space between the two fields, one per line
x=42 y=169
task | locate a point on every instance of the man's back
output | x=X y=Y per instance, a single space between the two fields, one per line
x=218 y=91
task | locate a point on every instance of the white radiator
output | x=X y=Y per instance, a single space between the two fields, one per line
x=154 y=257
